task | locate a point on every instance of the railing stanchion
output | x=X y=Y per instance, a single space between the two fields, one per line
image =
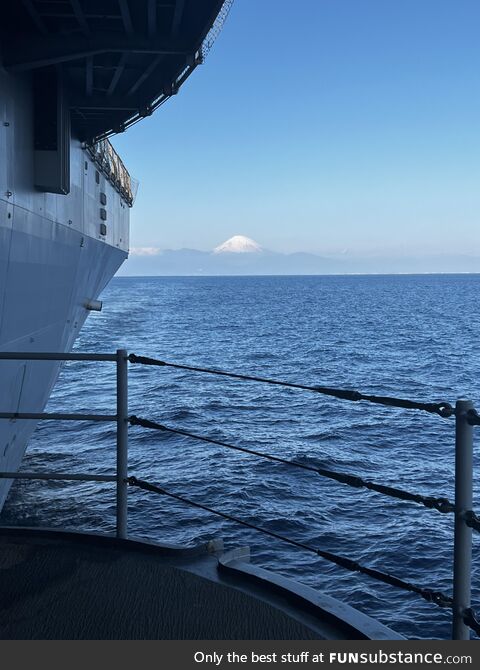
x=122 y=442
x=462 y=559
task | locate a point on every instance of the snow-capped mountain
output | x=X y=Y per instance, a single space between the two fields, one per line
x=240 y=255
x=238 y=244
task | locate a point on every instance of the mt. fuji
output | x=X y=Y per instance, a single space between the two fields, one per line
x=238 y=244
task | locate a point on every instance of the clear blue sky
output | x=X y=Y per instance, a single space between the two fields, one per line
x=323 y=126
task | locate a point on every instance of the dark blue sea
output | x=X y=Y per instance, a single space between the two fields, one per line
x=408 y=336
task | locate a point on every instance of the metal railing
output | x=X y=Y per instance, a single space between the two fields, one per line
x=463 y=617
x=120 y=418
x=111 y=165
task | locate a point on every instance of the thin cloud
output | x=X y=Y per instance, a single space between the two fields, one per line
x=144 y=251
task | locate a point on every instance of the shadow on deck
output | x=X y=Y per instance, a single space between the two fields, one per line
x=58 y=585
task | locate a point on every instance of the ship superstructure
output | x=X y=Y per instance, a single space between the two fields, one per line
x=71 y=74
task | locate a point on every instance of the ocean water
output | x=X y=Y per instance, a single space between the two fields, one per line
x=410 y=336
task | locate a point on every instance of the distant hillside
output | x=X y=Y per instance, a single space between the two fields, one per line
x=193 y=262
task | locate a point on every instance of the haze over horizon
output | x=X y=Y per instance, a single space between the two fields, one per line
x=241 y=255
x=354 y=135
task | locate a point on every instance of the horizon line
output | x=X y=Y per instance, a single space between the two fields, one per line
x=325 y=274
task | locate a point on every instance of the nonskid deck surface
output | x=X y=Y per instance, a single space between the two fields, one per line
x=69 y=589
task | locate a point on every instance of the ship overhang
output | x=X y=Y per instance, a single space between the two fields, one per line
x=116 y=61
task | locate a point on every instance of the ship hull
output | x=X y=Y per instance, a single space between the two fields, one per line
x=57 y=253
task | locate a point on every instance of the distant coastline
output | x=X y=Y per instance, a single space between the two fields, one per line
x=200 y=263
x=330 y=274
x=240 y=255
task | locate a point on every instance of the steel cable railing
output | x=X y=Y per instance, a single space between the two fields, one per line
x=440 y=504
x=464 y=617
x=429 y=595
x=443 y=409
x=469 y=616
x=465 y=518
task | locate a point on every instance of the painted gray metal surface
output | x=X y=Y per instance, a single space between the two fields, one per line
x=53 y=261
x=58 y=476
x=340 y=615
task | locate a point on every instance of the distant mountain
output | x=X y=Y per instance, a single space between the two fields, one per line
x=241 y=255
x=238 y=244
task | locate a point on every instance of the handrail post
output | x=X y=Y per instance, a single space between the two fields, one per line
x=122 y=442
x=462 y=553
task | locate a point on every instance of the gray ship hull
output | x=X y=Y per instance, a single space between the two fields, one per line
x=57 y=253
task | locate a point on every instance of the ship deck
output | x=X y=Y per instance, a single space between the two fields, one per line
x=58 y=585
